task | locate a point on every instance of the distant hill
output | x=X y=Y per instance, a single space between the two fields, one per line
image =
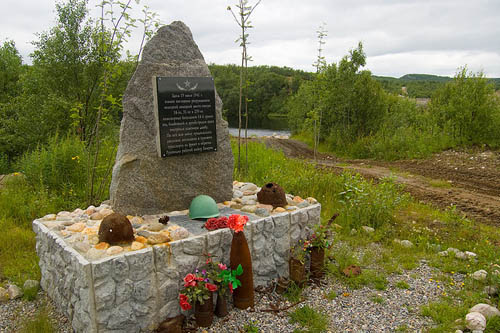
x=425 y=77
x=419 y=85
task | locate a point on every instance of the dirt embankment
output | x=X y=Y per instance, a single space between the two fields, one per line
x=468 y=180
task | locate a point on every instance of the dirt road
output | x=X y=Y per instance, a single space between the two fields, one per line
x=468 y=180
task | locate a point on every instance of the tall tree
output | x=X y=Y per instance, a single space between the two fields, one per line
x=10 y=71
x=242 y=18
x=320 y=65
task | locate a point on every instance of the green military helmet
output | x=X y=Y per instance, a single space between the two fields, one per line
x=203 y=207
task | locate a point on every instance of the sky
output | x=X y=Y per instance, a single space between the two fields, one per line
x=399 y=37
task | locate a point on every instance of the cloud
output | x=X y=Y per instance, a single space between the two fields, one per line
x=399 y=36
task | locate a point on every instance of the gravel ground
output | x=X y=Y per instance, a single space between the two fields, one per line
x=13 y=314
x=353 y=310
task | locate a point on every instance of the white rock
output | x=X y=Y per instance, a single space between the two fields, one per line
x=78 y=211
x=64 y=213
x=486 y=310
x=249 y=208
x=406 y=243
x=452 y=249
x=491 y=290
x=460 y=255
x=237 y=194
x=303 y=204
x=459 y=331
x=368 y=229
x=154 y=226
x=105 y=212
x=475 y=321
x=248 y=187
x=31 y=284
x=114 y=250
x=480 y=275
x=179 y=233
x=470 y=255
x=14 y=291
x=443 y=253
x=49 y=217
x=311 y=200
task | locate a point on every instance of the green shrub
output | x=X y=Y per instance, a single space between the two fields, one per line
x=363 y=203
x=4 y=164
x=310 y=319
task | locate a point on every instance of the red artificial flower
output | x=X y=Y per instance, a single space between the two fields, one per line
x=216 y=223
x=211 y=287
x=184 y=302
x=230 y=284
x=222 y=266
x=237 y=222
x=198 y=278
x=190 y=280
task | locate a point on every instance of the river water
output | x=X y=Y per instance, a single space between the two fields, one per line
x=258 y=132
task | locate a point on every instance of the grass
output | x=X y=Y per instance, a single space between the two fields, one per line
x=440 y=183
x=402 y=285
x=331 y=295
x=377 y=299
x=359 y=202
x=251 y=327
x=49 y=179
x=293 y=293
x=309 y=319
x=39 y=324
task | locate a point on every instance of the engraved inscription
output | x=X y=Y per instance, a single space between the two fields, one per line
x=186 y=115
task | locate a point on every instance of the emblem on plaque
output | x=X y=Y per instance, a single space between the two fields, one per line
x=187 y=86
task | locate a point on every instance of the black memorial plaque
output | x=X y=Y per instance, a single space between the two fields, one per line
x=186 y=115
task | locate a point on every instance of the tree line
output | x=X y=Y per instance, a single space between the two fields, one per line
x=359 y=118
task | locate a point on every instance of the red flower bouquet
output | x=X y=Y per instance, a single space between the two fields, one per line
x=198 y=287
x=215 y=223
x=237 y=222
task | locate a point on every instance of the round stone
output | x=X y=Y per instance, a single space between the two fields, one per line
x=137 y=246
x=114 y=250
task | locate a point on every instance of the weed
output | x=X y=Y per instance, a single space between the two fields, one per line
x=444 y=313
x=310 y=319
x=30 y=293
x=251 y=327
x=493 y=325
x=331 y=295
x=402 y=328
x=293 y=293
x=402 y=285
x=18 y=260
x=39 y=324
x=377 y=299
